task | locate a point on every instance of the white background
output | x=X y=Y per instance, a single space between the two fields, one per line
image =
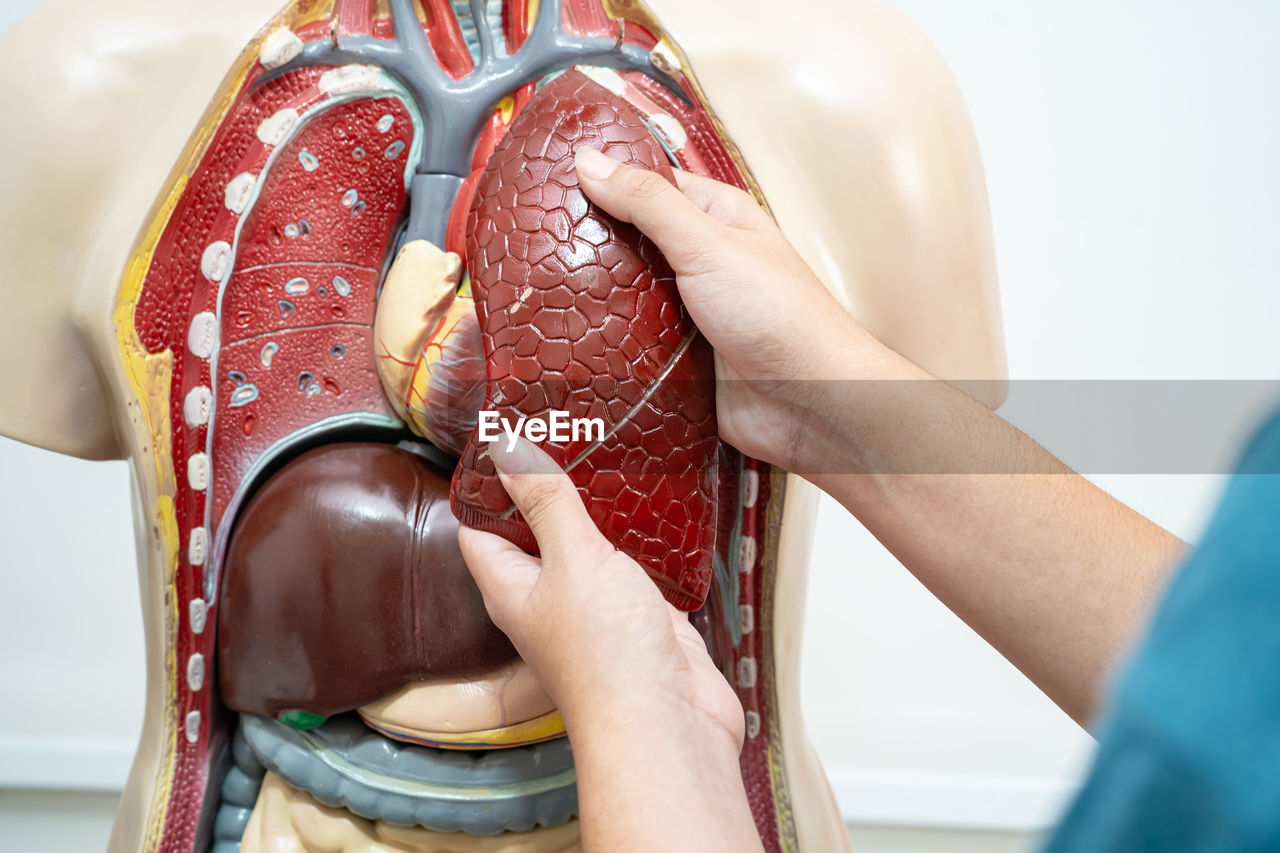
x=1131 y=152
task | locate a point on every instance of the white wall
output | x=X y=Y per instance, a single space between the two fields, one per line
x=1130 y=151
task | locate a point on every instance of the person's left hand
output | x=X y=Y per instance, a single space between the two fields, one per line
x=585 y=617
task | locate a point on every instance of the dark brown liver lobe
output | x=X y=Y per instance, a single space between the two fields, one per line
x=344 y=581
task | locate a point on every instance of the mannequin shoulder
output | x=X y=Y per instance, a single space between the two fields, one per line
x=99 y=101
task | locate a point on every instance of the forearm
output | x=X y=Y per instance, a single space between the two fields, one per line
x=653 y=779
x=1051 y=570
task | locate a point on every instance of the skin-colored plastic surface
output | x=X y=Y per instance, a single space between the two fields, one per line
x=504 y=696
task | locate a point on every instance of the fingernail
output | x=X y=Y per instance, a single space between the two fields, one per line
x=510 y=457
x=594 y=164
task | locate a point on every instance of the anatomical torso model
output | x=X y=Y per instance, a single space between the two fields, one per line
x=372 y=233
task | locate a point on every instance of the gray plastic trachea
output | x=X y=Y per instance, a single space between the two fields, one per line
x=455 y=110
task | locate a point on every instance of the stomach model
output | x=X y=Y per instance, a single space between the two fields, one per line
x=376 y=235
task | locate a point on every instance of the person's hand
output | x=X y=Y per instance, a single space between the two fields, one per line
x=587 y=620
x=655 y=728
x=774 y=327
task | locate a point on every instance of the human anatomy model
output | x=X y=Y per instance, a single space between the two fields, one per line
x=373 y=235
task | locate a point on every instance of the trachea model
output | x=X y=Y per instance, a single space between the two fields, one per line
x=375 y=236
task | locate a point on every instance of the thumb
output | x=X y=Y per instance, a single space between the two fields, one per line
x=504 y=574
x=681 y=230
x=547 y=499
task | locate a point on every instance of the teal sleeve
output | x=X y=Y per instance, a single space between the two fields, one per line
x=1188 y=756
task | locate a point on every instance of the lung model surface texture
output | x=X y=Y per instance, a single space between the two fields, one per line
x=579 y=313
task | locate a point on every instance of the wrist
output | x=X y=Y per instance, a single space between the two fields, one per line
x=825 y=402
x=675 y=765
x=606 y=722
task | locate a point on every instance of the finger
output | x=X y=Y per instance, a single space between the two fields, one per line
x=687 y=635
x=504 y=574
x=547 y=499
x=724 y=203
x=682 y=230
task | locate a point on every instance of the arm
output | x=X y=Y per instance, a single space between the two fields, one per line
x=655 y=728
x=1051 y=571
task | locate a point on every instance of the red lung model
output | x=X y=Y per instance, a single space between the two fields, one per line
x=580 y=314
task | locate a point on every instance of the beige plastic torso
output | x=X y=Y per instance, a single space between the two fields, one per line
x=846 y=115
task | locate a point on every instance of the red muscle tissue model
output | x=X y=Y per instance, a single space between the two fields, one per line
x=579 y=313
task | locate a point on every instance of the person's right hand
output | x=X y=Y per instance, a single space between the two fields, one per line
x=774 y=327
